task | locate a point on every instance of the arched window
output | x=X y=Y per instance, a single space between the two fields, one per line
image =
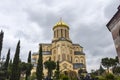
x=82 y=61
x=119 y=32
x=57 y=33
x=63 y=57
x=77 y=60
x=77 y=49
x=71 y=58
x=61 y=33
x=68 y=58
x=65 y=33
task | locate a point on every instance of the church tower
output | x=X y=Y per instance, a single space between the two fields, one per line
x=61 y=31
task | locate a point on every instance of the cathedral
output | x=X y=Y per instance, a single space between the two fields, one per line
x=62 y=49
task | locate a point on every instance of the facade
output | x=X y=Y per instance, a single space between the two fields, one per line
x=70 y=55
x=114 y=27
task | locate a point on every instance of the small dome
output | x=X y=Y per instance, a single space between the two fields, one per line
x=60 y=24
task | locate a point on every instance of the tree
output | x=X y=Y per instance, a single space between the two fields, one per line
x=15 y=74
x=39 y=69
x=5 y=66
x=10 y=68
x=23 y=67
x=1 y=41
x=116 y=59
x=116 y=70
x=101 y=70
x=50 y=65
x=72 y=75
x=80 y=71
x=107 y=62
x=4 y=73
x=57 y=72
x=29 y=67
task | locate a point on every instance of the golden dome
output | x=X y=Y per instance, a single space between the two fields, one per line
x=60 y=24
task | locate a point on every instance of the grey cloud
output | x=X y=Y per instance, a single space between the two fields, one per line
x=111 y=8
x=32 y=23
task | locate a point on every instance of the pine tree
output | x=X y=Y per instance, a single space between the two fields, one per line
x=29 y=67
x=1 y=41
x=39 y=69
x=15 y=67
x=7 y=61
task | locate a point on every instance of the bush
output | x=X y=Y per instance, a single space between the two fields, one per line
x=110 y=77
x=101 y=78
x=65 y=78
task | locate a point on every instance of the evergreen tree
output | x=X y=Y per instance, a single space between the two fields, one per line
x=39 y=69
x=1 y=41
x=7 y=61
x=15 y=73
x=10 y=68
x=29 y=67
x=57 y=73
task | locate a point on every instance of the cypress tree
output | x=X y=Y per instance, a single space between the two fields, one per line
x=7 y=61
x=57 y=71
x=1 y=41
x=15 y=67
x=29 y=67
x=39 y=69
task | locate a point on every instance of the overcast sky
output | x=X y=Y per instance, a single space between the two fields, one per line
x=32 y=21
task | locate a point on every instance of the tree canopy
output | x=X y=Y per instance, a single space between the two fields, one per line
x=50 y=66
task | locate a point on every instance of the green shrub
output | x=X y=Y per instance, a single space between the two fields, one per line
x=110 y=77
x=101 y=78
x=65 y=78
x=117 y=78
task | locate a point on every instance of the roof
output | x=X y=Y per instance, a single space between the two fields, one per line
x=45 y=44
x=79 y=53
x=43 y=52
x=60 y=24
x=114 y=18
x=46 y=52
x=77 y=45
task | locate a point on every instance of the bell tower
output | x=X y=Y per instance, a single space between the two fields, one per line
x=61 y=31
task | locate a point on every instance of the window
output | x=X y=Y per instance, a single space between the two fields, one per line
x=71 y=58
x=119 y=32
x=68 y=58
x=34 y=60
x=59 y=57
x=77 y=60
x=63 y=57
x=61 y=33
